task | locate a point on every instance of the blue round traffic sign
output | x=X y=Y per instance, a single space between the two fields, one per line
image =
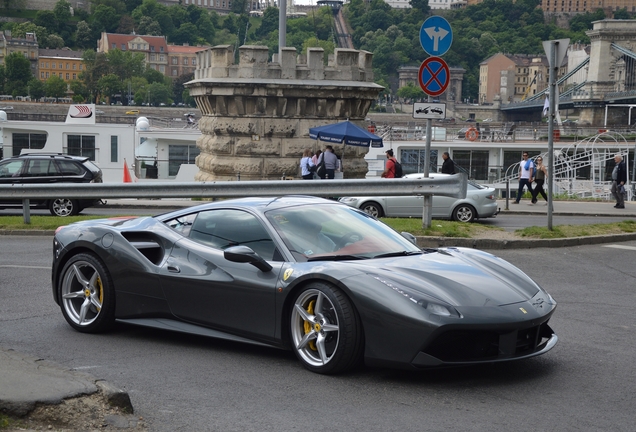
x=434 y=76
x=436 y=36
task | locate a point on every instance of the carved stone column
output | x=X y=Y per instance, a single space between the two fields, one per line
x=257 y=114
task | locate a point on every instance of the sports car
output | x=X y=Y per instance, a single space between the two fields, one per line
x=323 y=279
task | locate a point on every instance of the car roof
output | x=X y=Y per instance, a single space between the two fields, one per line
x=49 y=156
x=258 y=204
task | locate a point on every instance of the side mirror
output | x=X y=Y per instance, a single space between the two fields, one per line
x=244 y=254
x=410 y=237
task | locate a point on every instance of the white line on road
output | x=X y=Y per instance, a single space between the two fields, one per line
x=621 y=247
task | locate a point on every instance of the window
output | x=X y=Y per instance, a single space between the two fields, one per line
x=222 y=229
x=113 y=148
x=181 y=154
x=68 y=66
x=162 y=69
x=41 y=74
x=114 y=46
x=194 y=62
x=152 y=48
x=27 y=141
x=185 y=61
x=61 y=66
x=52 y=65
x=11 y=168
x=474 y=162
x=175 y=60
x=81 y=145
x=414 y=160
x=152 y=57
x=162 y=57
x=74 y=76
x=68 y=76
x=161 y=49
x=123 y=47
x=174 y=72
x=74 y=66
x=47 y=74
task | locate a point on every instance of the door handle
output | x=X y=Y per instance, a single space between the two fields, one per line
x=174 y=269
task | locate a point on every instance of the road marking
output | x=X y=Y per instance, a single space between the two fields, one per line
x=22 y=266
x=621 y=247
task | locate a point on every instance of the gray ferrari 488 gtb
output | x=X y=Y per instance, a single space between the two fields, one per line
x=321 y=278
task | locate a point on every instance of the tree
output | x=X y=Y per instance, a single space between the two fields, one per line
x=149 y=26
x=154 y=76
x=110 y=85
x=239 y=6
x=36 y=89
x=2 y=78
x=17 y=74
x=46 y=19
x=55 y=86
x=410 y=91
x=105 y=18
x=62 y=11
x=126 y=25
x=83 y=35
x=79 y=90
x=54 y=42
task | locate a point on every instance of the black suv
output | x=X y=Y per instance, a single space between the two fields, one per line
x=49 y=168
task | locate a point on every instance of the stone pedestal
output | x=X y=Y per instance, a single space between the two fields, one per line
x=256 y=115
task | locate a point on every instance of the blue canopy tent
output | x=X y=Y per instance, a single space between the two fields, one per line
x=345 y=133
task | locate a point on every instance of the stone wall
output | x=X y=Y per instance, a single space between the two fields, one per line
x=256 y=114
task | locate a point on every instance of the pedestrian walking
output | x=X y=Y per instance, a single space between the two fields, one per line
x=619 y=178
x=448 y=167
x=526 y=172
x=389 y=170
x=541 y=174
x=331 y=162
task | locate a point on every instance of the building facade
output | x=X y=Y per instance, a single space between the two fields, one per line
x=170 y=60
x=65 y=63
x=27 y=46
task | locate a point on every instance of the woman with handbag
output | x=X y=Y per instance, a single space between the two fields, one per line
x=540 y=175
x=307 y=166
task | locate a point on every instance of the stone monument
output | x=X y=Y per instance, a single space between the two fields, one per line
x=256 y=115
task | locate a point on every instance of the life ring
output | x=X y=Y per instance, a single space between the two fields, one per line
x=472 y=134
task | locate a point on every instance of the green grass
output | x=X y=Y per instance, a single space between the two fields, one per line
x=439 y=228
x=568 y=231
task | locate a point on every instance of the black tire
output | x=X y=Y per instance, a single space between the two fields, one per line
x=87 y=296
x=372 y=208
x=464 y=213
x=64 y=207
x=329 y=340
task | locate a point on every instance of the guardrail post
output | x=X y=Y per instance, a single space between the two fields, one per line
x=26 y=211
x=507 y=194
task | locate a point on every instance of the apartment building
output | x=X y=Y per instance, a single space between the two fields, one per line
x=28 y=46
x=65 y=63
x=182 y=59
x=582 y=6
x=511 y=77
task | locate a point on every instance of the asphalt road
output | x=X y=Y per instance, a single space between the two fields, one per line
x=186 y=383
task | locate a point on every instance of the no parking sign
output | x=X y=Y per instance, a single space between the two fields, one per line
x=434 y=76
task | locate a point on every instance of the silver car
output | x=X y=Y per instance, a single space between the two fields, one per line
x=480 y=202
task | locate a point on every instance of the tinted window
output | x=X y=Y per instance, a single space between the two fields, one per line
x=222 y=229
x=41 y=168
x=69 y=168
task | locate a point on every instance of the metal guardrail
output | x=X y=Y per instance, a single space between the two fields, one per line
x=452 y=186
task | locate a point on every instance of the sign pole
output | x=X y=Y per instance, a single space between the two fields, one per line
x=427 y=211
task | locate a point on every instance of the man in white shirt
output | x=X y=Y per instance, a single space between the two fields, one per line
x=526 y=175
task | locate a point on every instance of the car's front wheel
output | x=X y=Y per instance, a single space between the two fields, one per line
x=373 y=209
x=326 y=332
x=87 y=294
x=464 y=213
x=64 y=207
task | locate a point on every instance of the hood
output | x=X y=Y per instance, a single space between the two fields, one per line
x=457 y=276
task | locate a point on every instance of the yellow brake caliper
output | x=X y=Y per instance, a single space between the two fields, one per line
x=101 y=292
x=308 y=326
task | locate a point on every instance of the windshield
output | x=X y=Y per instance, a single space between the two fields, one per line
x=336 y=232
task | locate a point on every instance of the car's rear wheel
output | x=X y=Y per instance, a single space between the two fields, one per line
x=372 y=208
x=64 y=207
x=464 y=213
x=87 y=295
x=326 y=332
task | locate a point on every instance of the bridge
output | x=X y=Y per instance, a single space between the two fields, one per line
x=608 y=94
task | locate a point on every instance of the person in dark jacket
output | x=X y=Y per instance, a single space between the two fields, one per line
x=619 y=178
x=448 y=167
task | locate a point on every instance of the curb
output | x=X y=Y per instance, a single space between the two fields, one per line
x=522 y=243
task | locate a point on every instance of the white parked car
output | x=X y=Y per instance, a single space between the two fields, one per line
x=480 y=202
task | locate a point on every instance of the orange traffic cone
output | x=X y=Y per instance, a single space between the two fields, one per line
x=127 y=177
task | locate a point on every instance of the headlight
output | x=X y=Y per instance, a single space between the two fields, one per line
x=347 y=199
x=432 y=305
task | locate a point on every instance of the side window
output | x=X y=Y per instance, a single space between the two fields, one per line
x=182 y=224
x=11 y=169
x=222 y=229
x=69 y=168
